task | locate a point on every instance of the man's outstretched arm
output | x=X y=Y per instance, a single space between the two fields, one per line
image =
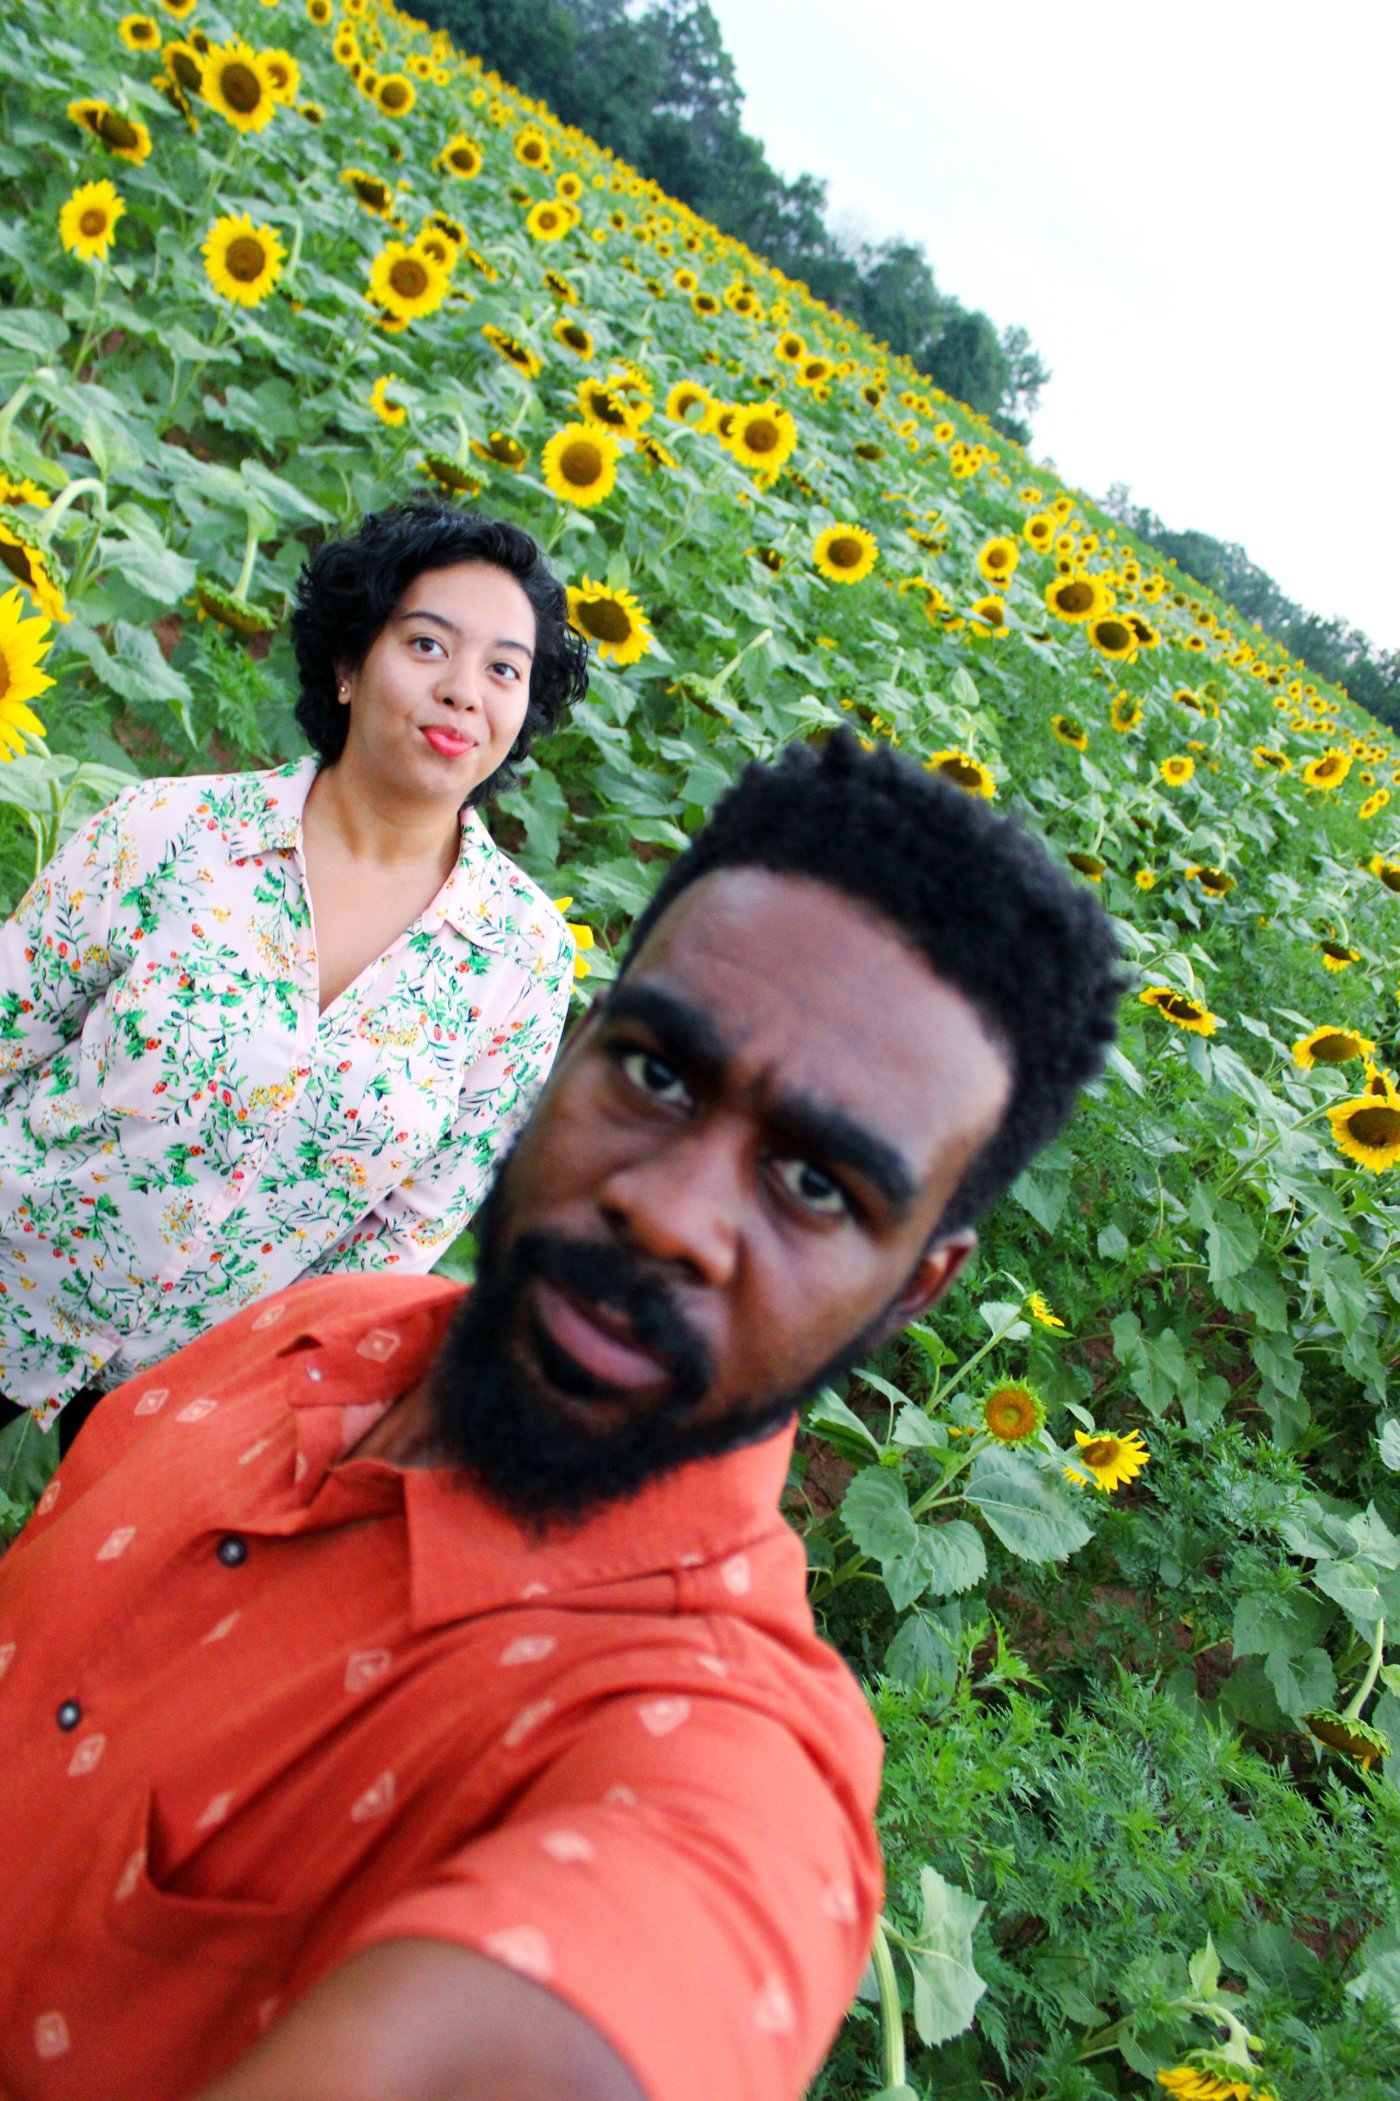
x=423 y=2020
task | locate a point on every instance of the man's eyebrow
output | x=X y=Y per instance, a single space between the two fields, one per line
x=441 y=620
x=828 y=1134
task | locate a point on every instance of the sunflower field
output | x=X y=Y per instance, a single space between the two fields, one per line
x=1115 y=1541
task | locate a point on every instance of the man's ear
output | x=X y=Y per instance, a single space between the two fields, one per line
x=934 y=1273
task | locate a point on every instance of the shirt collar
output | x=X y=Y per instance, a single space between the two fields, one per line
x=267 y=818
x=467 y=1556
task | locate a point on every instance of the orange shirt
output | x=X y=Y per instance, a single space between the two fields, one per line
x=263 y=1707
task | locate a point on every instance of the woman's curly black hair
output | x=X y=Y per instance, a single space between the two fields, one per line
x=972 y=892
x=349 y=588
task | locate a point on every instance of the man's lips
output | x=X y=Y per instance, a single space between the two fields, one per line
x=598 y=1340
x=449 y=742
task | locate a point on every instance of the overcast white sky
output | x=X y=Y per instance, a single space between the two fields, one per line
x=1195 y=211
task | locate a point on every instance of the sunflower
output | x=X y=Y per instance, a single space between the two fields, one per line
x=997 y=560
x=1214 y=881
x=569 y=186
x=120 y=135
x=436 y=247
x=1381 y=1086
x=532 y=149
x=15 y=489
x=450 y=474
x=653 y=450
x=235 y=80
x=1178 y=769
x=1373 y=805
x=502 y=449
x=612 y=620
x=395 y=94
x=284 y=74
x=1183 y=1013
x=1367 y=1130
x=1076 y=598
x=1088 y=864
x=317 y=11
x=24 y=643
x=579 y=464
x=1328 y=771
x=765 y=436
x=242 y=616
x=963 y=771
x=405 y=283
x=1388 y=872
x=1110 y=1460
x=139 y=32
x=1125 y=713
x=814 y=371
x=1337 y=956
x=1194 y=2082
x=461 y=157
x=388 y=411
x=1270 y=761
x=1070 y=730
x=181 y=8
x=705 y=305
x=512 y=350
x=573 y=337
x=1148 y=636
x=1113 y=636
x=241 y=260
x=1012 y=1412
x=1331 y=1046
x=1146 y=879
x=845 y=554
x=1348 y=1733
x=583 y=937
x=88 y=221
x=1039 y=531
x=790 y=348
x=549 y=220
x=603 y=403
x=559 y=286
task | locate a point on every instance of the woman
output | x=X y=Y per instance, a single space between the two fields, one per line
x=260 y=1026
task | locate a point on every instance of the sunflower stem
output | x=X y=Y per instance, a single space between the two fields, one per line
x=250 y=555
x=8 y=414
x=892 y=2064
x=1352 y=1711
x=99 y=285
x=941 y=1393
x=81 y=485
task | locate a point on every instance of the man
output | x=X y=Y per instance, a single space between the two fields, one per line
x=411 y=1694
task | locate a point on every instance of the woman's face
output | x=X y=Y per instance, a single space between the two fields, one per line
x=440 y=697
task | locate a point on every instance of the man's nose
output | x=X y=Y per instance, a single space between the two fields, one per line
x=680 y=1206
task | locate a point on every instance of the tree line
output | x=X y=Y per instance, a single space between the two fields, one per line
x=659 y=88
x=1331 y=649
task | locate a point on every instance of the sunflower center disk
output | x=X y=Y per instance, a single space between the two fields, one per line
x=246 y=259
x=409 y=279
x=92 y=224
x=605 y=620
x=242 y=88
x=581 y=465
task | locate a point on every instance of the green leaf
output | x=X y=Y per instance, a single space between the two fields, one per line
x=1277 y=1625
x=842 y=1428
x=1345 y=1291
x=875 y=1511
x=1303 y=1682
x=1278 y=1362
x=1389 y=1443
x=1232 y=1239
x=1003 y=1319
x=1027 y=1510
x=154 y=569
x=953 y=1557
x=134 y=668
x=923 y=1647
x=946 y=1984
x=1352 y=1585
x=1157 y=1366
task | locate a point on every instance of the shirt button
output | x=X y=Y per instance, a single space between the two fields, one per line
x=69 y=1715
x=232 y=1550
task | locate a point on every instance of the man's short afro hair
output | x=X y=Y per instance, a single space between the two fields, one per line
x=1032 y=953
x=349 y=588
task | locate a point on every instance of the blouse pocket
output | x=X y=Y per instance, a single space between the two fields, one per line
x=230 y=1933
x=159 y=1039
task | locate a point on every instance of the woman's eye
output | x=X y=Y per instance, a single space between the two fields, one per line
x=813 y=1188
x=513 y=670
x=653 y=1076
x=431 y=641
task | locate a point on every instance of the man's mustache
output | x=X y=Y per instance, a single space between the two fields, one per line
x=608 y=1277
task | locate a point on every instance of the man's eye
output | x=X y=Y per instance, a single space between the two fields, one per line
x=813 y=1188
x=653 y=1076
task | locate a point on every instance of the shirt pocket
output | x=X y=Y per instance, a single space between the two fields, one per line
x=227 y=1933
x=157 y=1043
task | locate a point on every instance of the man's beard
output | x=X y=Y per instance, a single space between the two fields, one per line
x=543 y=1467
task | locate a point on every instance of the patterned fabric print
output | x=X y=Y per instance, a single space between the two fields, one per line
x=181 y=1129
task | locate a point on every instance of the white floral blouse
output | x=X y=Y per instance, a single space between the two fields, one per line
x=182 y=1130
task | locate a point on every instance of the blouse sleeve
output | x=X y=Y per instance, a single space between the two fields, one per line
x=55 y=951
x=416 y=1223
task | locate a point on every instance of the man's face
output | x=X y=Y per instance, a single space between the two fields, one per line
x=729 y=1184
